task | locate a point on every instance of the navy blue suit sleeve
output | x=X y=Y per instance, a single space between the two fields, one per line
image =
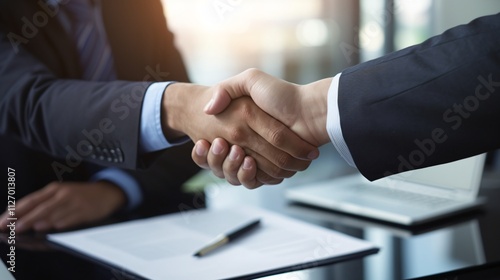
x=428 y=104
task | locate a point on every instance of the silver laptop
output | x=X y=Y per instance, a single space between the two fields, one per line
x=408 y=198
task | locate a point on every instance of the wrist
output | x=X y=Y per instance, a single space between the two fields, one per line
x=182 y=106
x=315 y=103
x=171 y=110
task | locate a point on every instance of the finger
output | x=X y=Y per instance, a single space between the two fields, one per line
x=31 y=201
x=41 y=213
x=268 y=172
x=268 y=168
x=200 y=153
x=232 y=164
x=247 y=173
x=3 y=221
x=71 y=218
x=257 y=120
x=67 y=222
x=216 y=156
x=286 y=141
x=281 y=137
x=265 y=179
x=64 y=207
x=273 y=137
x=57 y=220
x=43 y=225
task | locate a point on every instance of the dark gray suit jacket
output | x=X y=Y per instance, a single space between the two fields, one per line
x=432 y=103
x=51 y=121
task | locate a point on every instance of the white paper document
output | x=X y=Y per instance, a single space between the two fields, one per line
x=162 y=247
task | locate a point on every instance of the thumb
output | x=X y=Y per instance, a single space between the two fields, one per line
x=219 y=102
x=225 y=92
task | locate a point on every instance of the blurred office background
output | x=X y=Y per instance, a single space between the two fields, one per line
x=305 y=40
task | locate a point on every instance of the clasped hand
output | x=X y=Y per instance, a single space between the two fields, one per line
x=263 y=129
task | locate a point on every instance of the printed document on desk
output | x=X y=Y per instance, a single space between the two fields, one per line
x=162 y=247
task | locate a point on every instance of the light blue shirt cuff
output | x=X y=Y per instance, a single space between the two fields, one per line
x=333 y=122
x=151 y=133
x=127 y=183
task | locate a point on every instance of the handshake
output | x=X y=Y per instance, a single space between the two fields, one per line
x=251 y=129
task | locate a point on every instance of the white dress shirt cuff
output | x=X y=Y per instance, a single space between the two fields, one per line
x=333 y=122
x=151 y=133
x=124 y=181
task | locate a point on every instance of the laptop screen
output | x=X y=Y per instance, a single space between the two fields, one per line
x=462 y=174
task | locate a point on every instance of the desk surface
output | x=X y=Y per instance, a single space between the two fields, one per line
x=461 y=241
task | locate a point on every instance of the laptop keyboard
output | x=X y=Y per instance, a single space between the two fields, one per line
x=402 y=197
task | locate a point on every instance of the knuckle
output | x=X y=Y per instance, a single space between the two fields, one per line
x=277 y=136
x=252 y=72
x=246 y=109
x=237 y=135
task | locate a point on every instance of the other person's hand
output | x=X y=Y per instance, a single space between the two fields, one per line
x=62 y=205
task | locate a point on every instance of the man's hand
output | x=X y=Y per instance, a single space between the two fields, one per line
x=302 y=108
x=231 y=164
x=61 y=205
x=277 y=151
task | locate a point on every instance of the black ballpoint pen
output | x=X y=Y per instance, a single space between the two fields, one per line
x=226 y=238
